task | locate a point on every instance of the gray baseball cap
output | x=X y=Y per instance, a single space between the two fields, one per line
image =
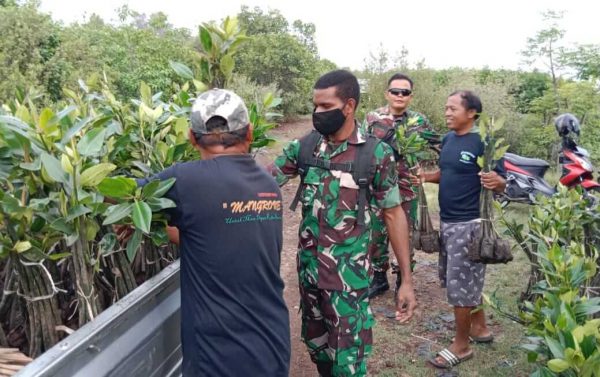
x=222 y=103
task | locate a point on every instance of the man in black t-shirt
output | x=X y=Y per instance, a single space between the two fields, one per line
x=460 y=182
x=228 y=224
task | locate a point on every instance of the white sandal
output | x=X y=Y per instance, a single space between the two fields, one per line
x=450 y=359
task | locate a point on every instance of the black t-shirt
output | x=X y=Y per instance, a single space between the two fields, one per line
x=234 y=321
x=460 y=184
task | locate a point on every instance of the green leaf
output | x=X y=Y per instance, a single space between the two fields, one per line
x=116 y=213
x=182 y=70
x=588 y=307
x=80 y=125
x=558 y=365
x=164 y=187
x=92 y=176
x=76 y=212
x=160 y=237
x=142 y=216
x=499 y=153
x=91 y=229
x=91 y=143
x=483 y=130
x=15 y=124
x=62 y=226
x=134 y=244
x=58 y=256
x=146 y=94
x=588 y=345
x=480 y=161
x=157 y=188
x=543 y=372
x=66 y=111
x=157 y=204
x=230 y=25
x=117 y=187
x=34 y=254
x=276 y=102
x=47 y=122
x=200 y=86
x=268 y=100
x=37 y=224
x=107 y=243
x=205 y=39
x=227 y=64
x=555 y=347
x=22 y=246
x=591 y=367
x=11 y=204
x=205 y=70
x=150 y=188
x=532 y=357
x=36 y=165
x=53 y=168
x=66 y=165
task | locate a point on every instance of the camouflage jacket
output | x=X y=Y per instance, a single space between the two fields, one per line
x=332 y=247
x=379 y=122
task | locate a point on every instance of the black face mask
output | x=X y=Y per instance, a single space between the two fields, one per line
x=328 y=122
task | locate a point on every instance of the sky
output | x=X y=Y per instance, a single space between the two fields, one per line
x=459 y=33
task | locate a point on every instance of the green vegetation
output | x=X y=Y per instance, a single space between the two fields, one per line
x=561 y=241
x=41 y=56
x=85 y=108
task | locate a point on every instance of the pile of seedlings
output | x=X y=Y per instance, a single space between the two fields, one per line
x=487 y=246
x=424 y=236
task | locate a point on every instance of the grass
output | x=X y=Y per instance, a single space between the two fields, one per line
x=402 y=350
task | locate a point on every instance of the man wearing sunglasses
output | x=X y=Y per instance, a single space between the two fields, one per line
x=382 y=123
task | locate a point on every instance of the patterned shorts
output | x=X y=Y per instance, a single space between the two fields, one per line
x=463 y=278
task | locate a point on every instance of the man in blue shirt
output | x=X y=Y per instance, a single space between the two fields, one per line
x=228 y=223
x=460 y=181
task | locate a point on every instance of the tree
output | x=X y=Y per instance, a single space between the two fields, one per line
x=138 y=49
x=305 y=32
x=255 y=22
x=29 y=42
x=545 y=46
x=531 y=85
x=283 y=60
x=280 y=55
x=585 y=60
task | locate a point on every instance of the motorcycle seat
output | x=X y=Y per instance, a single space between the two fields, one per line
x=525 y=161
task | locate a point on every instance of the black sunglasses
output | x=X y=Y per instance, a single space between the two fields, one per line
x=397 y=92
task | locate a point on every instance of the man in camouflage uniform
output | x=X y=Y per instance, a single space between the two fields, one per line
x=333 y=259
x=382 y=123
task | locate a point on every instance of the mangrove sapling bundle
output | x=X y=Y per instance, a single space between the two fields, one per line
x=487 y=246
x=424 y=236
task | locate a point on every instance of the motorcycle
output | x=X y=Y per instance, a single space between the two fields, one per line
x=525 y=176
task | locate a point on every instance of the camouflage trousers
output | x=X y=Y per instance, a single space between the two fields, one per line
x=336 y=328
x=379 y=246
